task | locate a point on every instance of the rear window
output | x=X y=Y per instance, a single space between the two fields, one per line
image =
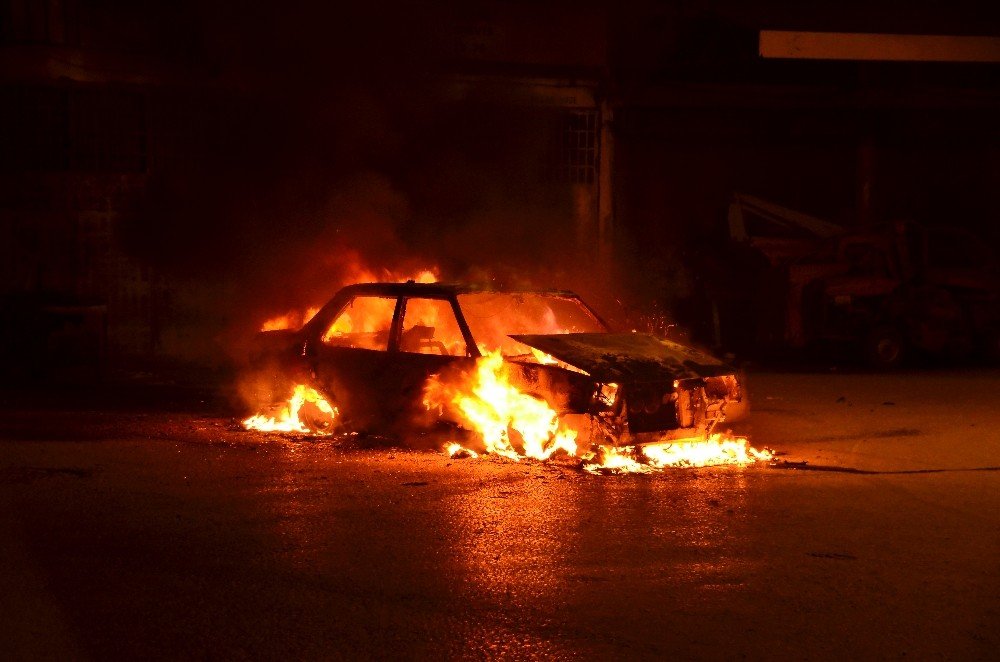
x=430 y=327
x=363 y=324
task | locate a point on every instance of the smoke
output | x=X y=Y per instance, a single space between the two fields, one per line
x=294 y=198
x=343 y=140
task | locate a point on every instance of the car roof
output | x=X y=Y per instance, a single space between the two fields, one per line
x=442 y=289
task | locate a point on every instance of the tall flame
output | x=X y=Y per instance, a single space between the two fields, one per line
x=509 y=422
x=493 y=408
x=487 y=403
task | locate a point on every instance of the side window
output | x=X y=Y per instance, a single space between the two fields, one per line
x=430 y=327
x=363 y=324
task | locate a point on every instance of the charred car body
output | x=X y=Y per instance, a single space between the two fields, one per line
x=372 y=348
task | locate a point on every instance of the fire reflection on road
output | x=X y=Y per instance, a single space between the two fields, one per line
x=528 y=539
x=516 y=544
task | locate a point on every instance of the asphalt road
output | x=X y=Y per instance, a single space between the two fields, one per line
x=136 y=534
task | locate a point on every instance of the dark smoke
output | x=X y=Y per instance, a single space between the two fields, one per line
x=356 y=151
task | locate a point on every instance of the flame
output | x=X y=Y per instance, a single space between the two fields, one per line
x=716 y=450
x=294 y=319
x=508 y=422
x=426 y=276
x=487 y=403
x=303 y=399
x=290 y=320
x=454 y=449
x=364 y=316
x=615 y=460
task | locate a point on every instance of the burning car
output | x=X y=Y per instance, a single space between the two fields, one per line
x=383 y=353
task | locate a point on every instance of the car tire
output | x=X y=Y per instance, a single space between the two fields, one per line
x=316 y=419
x=885 y=347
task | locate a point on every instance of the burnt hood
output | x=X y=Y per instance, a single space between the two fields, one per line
x=627 y=357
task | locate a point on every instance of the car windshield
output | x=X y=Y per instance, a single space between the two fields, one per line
x=494 y=316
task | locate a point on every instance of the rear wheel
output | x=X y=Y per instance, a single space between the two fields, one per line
x=885 y=347
x=317 y=418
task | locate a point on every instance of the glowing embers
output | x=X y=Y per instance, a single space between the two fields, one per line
x=306 y=412
x=713 y=451
x=509 y=422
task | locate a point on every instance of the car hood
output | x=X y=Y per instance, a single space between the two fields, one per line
x=627 y=357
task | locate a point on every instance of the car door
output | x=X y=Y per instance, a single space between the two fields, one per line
x=431 y=341
x=352 y=362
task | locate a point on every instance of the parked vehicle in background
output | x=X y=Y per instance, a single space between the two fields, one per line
x=888 y=290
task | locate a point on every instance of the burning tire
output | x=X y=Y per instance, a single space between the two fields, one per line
x=317 y=418
x=306 y=411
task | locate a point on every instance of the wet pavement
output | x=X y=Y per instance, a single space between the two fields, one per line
x=175 y=534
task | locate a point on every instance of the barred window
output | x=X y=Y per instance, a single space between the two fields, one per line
x=579 y=147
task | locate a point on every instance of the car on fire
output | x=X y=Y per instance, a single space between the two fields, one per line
x=372 y=348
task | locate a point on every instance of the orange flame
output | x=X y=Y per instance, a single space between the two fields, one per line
x=508 y=422
x=494 y=409
x=454 y=449
x=305 y=403
x=488 y=404
x=294 y=319
x=290 y=320
x=716 y=450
